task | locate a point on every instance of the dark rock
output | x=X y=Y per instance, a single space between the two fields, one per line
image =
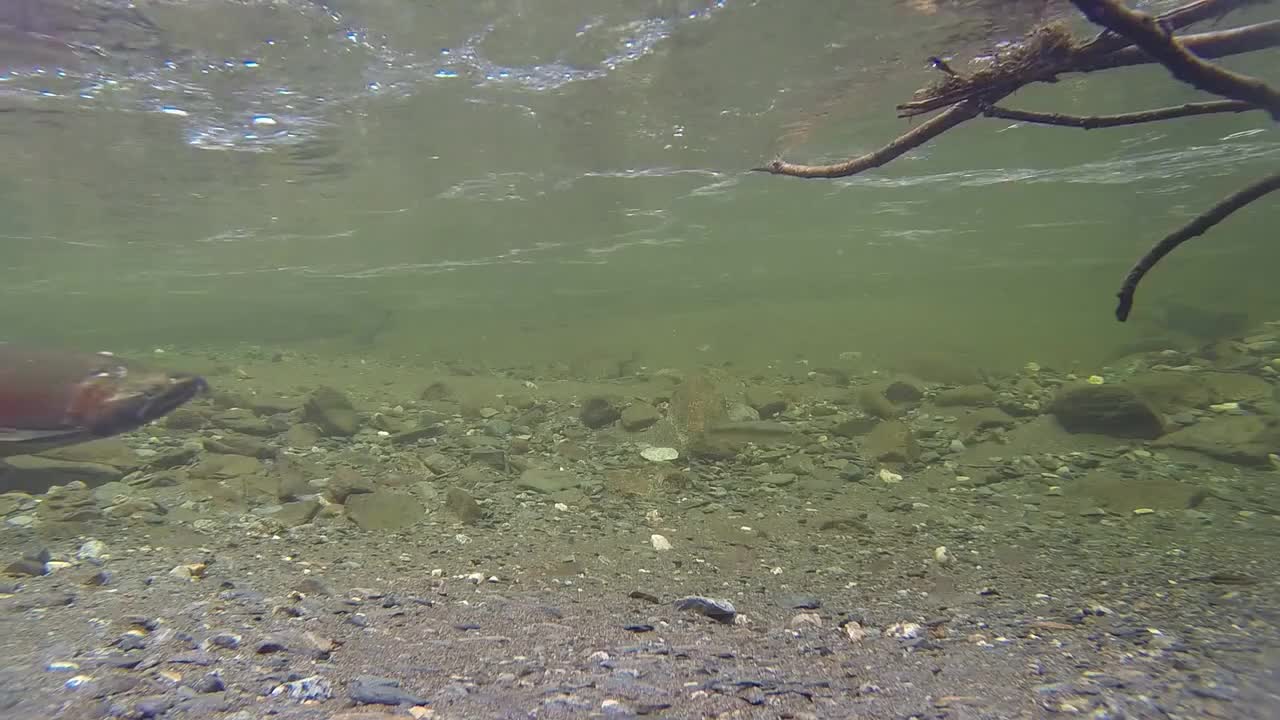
x=903 y=391
x=1111 y=410
x=598 y=412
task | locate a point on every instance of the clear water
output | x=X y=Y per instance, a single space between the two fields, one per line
x=513 y=182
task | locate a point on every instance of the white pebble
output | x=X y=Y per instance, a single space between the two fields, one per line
x=660 y=543
x=888 y=476
x=659 y=454
x=941 y=555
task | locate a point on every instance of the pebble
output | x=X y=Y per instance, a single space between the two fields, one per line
x=660 y=543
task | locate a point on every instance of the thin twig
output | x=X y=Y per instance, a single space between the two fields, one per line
x=1090 y=122
x=1196 y=227
x=1147 y=34
x=904 y=143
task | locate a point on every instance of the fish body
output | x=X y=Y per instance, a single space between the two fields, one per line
x=51 y=398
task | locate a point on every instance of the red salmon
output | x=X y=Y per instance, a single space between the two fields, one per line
x=52 y=398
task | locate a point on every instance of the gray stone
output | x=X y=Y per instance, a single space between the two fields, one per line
x=547 y=481
x=1242 y=439
x=766 y=401
x=639 y=416
x=464 y=507
x=967 y=396
x=384 y=510
x=29 y=473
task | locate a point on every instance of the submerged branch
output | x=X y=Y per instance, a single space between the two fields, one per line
x=1196 y=227
x=1147 y=34
x=1089 y=122
x=1207 y=46
x=904 y=143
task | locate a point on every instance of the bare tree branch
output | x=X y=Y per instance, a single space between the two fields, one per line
x=1090 y=122
x=1146 y=33
x=906 y=142
x=1196 y=227
x=1209 y=46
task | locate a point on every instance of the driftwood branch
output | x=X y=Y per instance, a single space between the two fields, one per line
x=1090 y=122
x=1127 y=38
x=920 y=135
x=1208 y=46
x=1146 y=33
x=1196 y=227
x=1042 y=56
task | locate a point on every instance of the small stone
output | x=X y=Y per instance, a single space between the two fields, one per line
x=941 y=555
x=660 y=543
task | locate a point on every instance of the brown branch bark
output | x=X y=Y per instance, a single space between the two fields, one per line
x=904 y=143
x=1178 y=18
x=1090 y=122
x=1146 y=33
x=1208 y=46
x=1196 y=227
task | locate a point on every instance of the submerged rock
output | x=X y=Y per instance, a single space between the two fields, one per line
x=599 y=412
x=1111 y=410
x=331 y=411
x=384 y=510
x=640 y=416
x=891 y=441
x=766 y=402
x=1242 y=439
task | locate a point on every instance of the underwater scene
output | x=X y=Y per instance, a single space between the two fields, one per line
x=375 y=359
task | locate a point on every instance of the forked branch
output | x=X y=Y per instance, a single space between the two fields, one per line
x=1128 y=38
x=1146 y=33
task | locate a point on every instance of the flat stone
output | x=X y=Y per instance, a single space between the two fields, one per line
x=384 y=510
x=35 y=474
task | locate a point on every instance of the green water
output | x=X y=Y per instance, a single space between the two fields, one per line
x=569 y=180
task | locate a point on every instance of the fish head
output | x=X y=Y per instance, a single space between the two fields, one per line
x=115 y=398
